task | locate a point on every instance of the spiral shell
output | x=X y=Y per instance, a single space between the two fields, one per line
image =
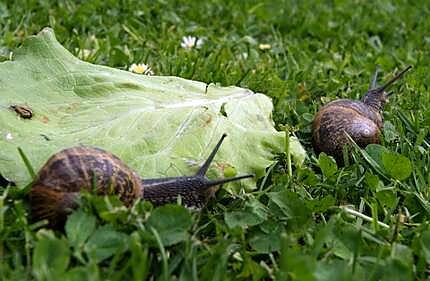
x=59 y=181
x=340 y=118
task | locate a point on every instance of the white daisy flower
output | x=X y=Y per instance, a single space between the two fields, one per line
x=189 y=42
x=9 y=136
x=141 y=68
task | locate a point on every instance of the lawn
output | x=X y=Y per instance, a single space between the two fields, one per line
x=365 y=221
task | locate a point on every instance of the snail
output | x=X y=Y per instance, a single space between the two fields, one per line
x=58 y=183
x=361 y=119
x=22 y=111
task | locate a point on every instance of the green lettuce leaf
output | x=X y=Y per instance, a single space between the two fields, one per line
x=160 y=126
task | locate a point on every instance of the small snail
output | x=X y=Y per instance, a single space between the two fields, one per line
x=23 y=111
x=57 y=185
x=361 y=120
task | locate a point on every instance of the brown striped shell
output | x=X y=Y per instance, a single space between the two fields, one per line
x=341 y=117
x=58 y=183
x=361 y=120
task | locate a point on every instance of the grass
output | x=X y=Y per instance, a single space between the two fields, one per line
x=361 y=222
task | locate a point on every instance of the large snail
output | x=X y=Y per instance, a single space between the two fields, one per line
x=362 y=120
x=59 y=181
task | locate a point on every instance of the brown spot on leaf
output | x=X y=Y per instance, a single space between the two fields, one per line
x=45 y=119
x=209 y=120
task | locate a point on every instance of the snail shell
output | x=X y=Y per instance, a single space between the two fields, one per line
x=361 y=120
x=340 y=118
x=58 y=183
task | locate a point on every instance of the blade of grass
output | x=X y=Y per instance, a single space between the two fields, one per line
x=165 y=270
x=27 y=163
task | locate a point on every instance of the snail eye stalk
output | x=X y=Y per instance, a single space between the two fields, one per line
x=394 y=79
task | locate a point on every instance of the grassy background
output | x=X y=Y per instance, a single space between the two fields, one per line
x=290 y=228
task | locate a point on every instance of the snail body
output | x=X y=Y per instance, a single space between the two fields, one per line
x=361 y=120
x=57 y=186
